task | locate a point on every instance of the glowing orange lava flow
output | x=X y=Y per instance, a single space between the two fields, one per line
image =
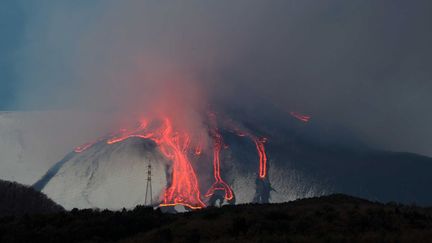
x=219 y=184
x=86 y=146
x=175 y=146
x=303 y=118
x=125 y=134
x=199 y=147
x=259 y=142
x=83 y=147
x=184 y=189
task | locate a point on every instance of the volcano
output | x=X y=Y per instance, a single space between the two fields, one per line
x=268 y=157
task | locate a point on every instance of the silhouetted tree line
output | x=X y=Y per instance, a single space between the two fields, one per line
x=17 y=199
x=334 y=218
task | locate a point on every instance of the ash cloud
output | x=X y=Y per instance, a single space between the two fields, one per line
x=363 y=64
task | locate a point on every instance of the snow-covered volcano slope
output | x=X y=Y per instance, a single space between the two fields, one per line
x=240 y=163
x=304 y=159
x=106 y=176
x=114 y=176
x=336 y=159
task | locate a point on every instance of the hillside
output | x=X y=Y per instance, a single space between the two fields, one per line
x=334 y=218
x=17 y=199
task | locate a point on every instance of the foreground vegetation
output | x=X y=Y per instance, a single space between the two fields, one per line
x=334 y=218
x=17 y=199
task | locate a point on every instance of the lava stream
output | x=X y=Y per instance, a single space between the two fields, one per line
x=137 y=132
x=260 y=147
x=184 y=189
x=259 y=143
x=219 y=183
x=175 y=146
x=303 y=118
x=86 y=146
x=83 y=147
x=199 y=146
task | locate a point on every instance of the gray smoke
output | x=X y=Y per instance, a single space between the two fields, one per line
x=365 y=64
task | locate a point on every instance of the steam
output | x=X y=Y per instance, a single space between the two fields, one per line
x=364 y=64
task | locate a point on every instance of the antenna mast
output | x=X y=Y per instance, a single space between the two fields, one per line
x=148 y=187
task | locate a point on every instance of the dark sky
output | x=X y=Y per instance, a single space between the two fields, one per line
x=12 y=20
x=366 y=64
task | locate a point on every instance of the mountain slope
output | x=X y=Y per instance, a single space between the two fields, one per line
x=305 y=159
x=114 y=176
x=105 y=176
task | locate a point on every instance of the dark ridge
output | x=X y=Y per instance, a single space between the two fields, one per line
x=17 y=199
x=333 y=218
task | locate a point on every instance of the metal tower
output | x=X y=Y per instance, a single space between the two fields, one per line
x=148 y=187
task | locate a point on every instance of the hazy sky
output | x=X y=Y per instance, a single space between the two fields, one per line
x=366 y=64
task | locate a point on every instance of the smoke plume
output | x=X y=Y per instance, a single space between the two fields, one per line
x=363 y=64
